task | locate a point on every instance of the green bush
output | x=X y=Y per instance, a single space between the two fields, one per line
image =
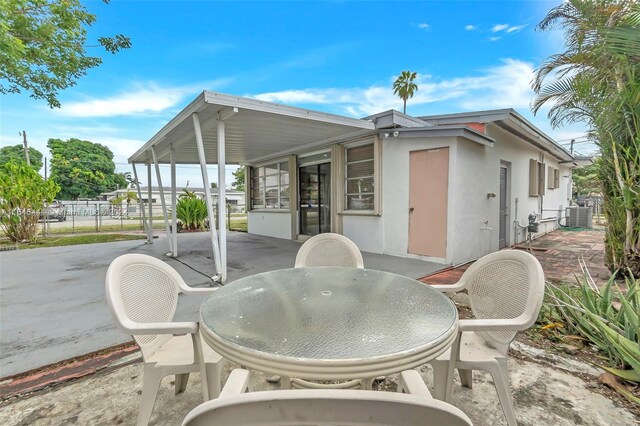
x=192 y=213
x=22 y=194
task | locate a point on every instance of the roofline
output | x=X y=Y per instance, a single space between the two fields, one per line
x=449 y=131
x=396 y=118
x=207 y=97
x=503 y=115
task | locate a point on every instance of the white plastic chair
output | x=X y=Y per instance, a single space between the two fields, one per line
x=329 y=250
x=325 y=407
x=506 y=289
x=142 y=295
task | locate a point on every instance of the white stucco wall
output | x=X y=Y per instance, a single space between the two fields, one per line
x=395 y=189
x=270 y=224
x=366 y=232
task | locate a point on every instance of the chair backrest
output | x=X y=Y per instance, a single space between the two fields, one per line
x=325 y=407
x=506 y=284
x=329 y=250
x=142 y=289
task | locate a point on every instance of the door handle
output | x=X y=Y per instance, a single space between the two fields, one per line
x=411 y=209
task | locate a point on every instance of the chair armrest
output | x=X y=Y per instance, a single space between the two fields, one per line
x=448 y=288
x=237 y=383
x=159 y=328
x=476 y=324
x=411 y=382
x=184 y=288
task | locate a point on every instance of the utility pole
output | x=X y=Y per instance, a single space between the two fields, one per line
x=26 y=147
x=571 y=149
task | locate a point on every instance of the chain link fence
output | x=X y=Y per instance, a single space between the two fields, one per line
x=76 y=217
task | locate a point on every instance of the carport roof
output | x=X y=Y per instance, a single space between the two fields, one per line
x=254 y=130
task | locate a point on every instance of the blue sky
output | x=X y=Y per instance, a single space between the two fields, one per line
x=333 y=56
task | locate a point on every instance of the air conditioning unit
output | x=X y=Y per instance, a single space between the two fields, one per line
x=579 y=217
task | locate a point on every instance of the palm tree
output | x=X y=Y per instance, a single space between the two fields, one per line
x=404 y=87
x=129 y=197
x=597 y=81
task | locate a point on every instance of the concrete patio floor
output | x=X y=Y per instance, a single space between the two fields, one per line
x=53 y=304
x=543 y=396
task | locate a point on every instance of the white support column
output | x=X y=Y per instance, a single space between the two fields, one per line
x=162 y=201
x=174 y=220
x=144 y=216
x=222 y=201
x=207 y=195
x=150 y=202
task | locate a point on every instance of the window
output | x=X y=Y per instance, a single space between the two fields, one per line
x=270 y=186
x=359 y=178
x=556 y=178
x=536 y=178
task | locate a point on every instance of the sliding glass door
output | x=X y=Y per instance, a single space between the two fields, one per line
x=315 y=199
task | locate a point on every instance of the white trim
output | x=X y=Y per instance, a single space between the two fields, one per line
x=162 y=200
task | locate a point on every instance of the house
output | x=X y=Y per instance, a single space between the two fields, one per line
x=235 y=199
x=445 y=188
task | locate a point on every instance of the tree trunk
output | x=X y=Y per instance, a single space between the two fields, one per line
x=404 y=110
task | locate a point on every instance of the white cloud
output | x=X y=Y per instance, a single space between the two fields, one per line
x=516 y=28
x=423 y=26
x=493 y=38
x=502 y=86
x=470 y=27
x=144 y=98
x=507 y=28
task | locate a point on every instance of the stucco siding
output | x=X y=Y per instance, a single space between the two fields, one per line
x=365 y=231
x=270 y=224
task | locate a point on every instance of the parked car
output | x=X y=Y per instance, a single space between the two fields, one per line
x=54 y=211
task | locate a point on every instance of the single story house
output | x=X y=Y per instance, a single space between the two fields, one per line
x=446 y=188
x=235 y=199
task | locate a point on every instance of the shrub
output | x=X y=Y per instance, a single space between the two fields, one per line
x=22 y=194
x=192 y=212
x=608 y=318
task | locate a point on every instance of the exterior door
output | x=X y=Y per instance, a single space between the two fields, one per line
x=428 y=198
x=502 y=220
x=315 y=199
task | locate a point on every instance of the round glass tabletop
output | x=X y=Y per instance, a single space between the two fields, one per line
x=329 y=313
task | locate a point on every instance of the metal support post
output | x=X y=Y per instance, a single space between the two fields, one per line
x=142 y=213
x=150 y=202
x=207 y=194
x=222 y=205
x=174 y=219
x=162 y=201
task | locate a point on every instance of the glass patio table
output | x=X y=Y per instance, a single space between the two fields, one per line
x=328 y=323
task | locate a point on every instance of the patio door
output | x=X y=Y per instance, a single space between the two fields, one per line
x=315 y=198
x=502 y=220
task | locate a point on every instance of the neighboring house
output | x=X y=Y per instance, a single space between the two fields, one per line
x=448 y=188
x=235 y=199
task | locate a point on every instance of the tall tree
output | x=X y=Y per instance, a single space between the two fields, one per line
x=597 y=81
x=238 y=179
x=43 y=46
x=16 y=153
x=404 y=87
x=83 y=169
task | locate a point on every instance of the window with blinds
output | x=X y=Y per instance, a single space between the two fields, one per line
x=536 y=178
x=359 y=178
x=270 y=186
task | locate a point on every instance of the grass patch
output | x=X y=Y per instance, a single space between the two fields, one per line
x=72 y=240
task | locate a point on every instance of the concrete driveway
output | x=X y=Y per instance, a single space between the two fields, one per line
x=52 y=303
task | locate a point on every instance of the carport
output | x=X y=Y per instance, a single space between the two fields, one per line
x=221 y=129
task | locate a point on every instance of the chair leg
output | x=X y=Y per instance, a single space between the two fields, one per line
x=150 y=383
x=285 y=382
x=214 y=371
x=466 y=378
x=501 y=379
x=440 y=369
x=181 y=382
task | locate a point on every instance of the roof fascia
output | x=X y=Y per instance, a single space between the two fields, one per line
x=534 y=136
x=285 y=110
x=392 y=118
x=478 y=116
x=450 y=131
x=194 y=106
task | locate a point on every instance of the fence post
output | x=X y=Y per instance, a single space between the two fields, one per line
x=73 y=219
x=97 y=213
